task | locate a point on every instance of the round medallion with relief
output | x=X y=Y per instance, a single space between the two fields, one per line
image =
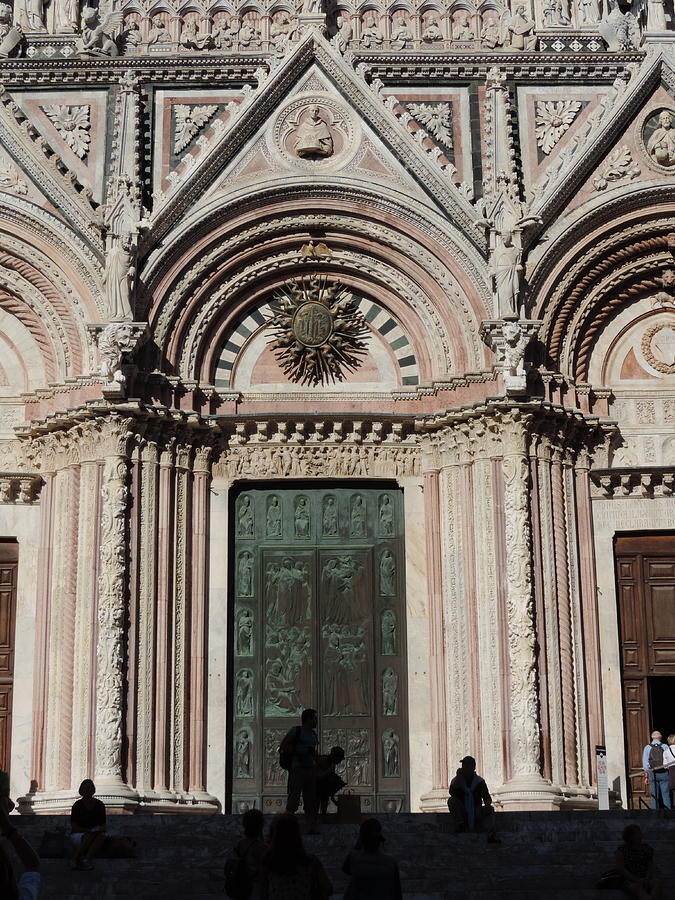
x=658 y=347
x=658 y=139
x=312 y=324
x=314 y=131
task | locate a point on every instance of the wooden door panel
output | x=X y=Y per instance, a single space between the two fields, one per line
x=5 y=725
x=633 y=645
x=659 y=593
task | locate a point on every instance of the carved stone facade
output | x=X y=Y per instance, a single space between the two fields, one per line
x=293 y=296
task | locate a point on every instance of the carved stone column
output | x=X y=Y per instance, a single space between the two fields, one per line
x=111 y=633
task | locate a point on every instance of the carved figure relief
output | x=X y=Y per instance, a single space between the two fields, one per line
x=389 y=693
x=386 y=516
x=553 y=118
x=387 y=574
x=659 y=138
x=188 y=122
x=72 y=124
x=388 y=632
x=159 y=33
x=245 y=518
x=301 y=519
x=506 y=262
x=312 y=138
x=118 y=277
x=356 y=743
x=519 y=31
x=245 y=633
x=281 y=694
x=345 y=671
x=329 y=521
x=273 y=523
x=390 y=754
x=245 y=574
x=96 y=35
x=431 y=31
x=342 y=597
x=287 y=667
x=274 y=774
x=288 y=591
x=462 y=29
x=358 y=517
x=242 y=754
x=588 y=12
x=244 y=702
x=371 y=34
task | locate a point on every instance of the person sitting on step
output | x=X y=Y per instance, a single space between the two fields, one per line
x=470 y=803
x=635 y=866
x=87 y=825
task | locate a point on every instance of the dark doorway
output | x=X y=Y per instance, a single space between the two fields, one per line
x=662 y=704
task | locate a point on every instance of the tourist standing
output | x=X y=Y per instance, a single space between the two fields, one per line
x=301 y=744
x=374 y=875
x=652 y=763
x=288 y=872
x=669 y=763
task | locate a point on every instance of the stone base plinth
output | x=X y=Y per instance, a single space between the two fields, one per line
x=434 y=801
x=527 y=793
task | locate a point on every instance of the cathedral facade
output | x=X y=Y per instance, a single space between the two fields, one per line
x=337 y=369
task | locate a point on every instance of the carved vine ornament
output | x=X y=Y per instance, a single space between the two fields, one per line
x=318 y=331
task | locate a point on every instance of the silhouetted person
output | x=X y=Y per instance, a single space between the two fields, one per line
x=635 y=866
x=652 y=763
x=301 y=742
x=669 y=763
x=374 y=875
x=27 y=886
x=252 y=848
x=87 y=825
x=328 y=782
x=470 y=803
x=288 y=871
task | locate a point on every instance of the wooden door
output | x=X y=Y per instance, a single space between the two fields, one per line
x=318 y=621
x=645 y=571
x=7 y=614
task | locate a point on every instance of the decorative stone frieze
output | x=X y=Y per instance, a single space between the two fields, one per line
x=622 y=483
x=19 y=488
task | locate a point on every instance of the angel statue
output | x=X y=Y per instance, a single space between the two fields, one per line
x=95 y=39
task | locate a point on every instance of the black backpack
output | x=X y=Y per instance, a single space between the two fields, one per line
x=656 y=756
x=238 y=881
x=287 y=749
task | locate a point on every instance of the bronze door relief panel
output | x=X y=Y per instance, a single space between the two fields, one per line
x=318 y=621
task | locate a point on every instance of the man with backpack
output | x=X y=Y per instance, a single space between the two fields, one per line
x=298 y=754
x=656 y=772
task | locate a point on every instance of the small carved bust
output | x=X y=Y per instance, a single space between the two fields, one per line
x=312 y=135
x=661 y=144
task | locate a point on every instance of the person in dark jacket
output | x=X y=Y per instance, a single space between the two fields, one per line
x=374 y=875
x=470 y=803
x=87 y=825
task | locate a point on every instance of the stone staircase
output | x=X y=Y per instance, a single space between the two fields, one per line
x=556 y=856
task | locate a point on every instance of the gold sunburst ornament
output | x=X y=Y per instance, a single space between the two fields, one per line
x=318 y=330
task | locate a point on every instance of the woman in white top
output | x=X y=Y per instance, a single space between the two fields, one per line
x=669 y=763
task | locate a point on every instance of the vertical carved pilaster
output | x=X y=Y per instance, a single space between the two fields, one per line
x=147 y=585
x=111 y=607
x=523 y=683
x=164 y=600
x=564 y=619
x=181 y=618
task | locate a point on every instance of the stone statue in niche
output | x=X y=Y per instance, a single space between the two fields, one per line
x=248 y=33
x=345 y=671
x=389 y=693
x=245 y=574
x=29 y=15
x=661 y=144
x=273 y=517
x=329 y=522
x=159 y=33
x=490 y=35
x=432 y=32
x=507 y=268
x=462 y=30
x=386 y=513
x=118 y=277
x=10 y=35
x=95 y=35
x=274 y=774
x=401 y=34
x=342 y=598
x=282 y=31
x=245 y=518
x=244 y=694
x=387 y=574
x=390 y=754
x=312 y=138
x=589 y=12
x=343 y=35
x=370 y=32
x=245 y=633
x=555 y=14
x=388 y=632
x=520 y=30
x=193 y=39
x=242 y=754
x=358 y=517
x=656 y=16
x=302 y=518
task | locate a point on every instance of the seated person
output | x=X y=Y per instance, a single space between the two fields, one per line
x=635 y=866
x=87 y=824
x=328 y=782
x=470 y=803
x=28 y=884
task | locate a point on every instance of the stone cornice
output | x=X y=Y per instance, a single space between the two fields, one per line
x=20 y=487
x=629 y=483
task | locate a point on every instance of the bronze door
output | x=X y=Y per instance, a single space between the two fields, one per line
x=7 y=613
x=645 y=570
x=318 y=621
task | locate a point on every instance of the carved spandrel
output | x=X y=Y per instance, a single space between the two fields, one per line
x=329 y=518
x=388 y=633
x=386 y=516
x=387 y=574
x=345 y=671
x=343 y=590
x=243 y=752
x=358 y=513
x=245 y=632
x=273 y=520
x=391 y=757
x=274 y=774
x=244 y=702
x=245 y=518
x=301 y=519
x=389 y=692
x=245 y=574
